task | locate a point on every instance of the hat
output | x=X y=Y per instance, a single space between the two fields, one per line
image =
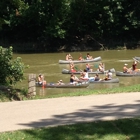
x=125 y=64
x=60 y=80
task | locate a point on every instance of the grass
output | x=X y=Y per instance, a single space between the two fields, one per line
x=133 y=88
x=123 y=129
x=22 y=94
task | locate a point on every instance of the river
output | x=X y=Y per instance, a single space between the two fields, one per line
x=47 y=64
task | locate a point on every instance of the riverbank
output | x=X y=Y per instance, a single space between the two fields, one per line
x=7 y=95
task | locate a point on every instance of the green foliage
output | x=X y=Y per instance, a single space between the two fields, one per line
x=11 y=71
x=50 y=21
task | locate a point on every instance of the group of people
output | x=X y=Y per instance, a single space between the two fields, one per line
x=85 y=77
x=131 y=69
x=42 y=82
x=88 y=67
x=75 y=80
x=87 y=57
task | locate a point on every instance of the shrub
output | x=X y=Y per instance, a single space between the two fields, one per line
x=11 y=70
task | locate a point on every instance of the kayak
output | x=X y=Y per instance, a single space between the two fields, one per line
x=114 y=80
x=80 y=61
x=82 y=84
x=66 y=71
x=133 y=73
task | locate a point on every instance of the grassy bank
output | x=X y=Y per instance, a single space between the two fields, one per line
x=133 y=88
x=123 y=129
x=22 y=94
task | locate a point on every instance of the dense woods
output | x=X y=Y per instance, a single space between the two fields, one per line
x=69 y=25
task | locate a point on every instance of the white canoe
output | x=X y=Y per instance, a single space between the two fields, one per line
x=96 y=59
x=113 y=80
x=134 y=73
x=83 y=84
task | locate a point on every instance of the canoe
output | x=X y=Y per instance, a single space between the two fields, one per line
x=114 y=80
x=134 y=73
x=66 y=71
x=83 y=84
x=80 y=61
x=137 y=58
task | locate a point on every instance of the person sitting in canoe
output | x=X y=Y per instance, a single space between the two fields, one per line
x=134 y=66
x=74 y=79
x=60 y=82
x=80 y=57
x=72 y=68
x=88 y=67
x=96 y=78
x=84 y=76
x=41 y=80
x=89 y=57
x=101 y=67
x=69 y=57
x=108 y=76
x=126 y=69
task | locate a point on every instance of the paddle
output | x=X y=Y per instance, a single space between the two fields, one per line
x=136 y=60
x=85 y=57
x=96 y=65
x=77 y=69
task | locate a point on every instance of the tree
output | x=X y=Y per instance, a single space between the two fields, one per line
x=11 y=70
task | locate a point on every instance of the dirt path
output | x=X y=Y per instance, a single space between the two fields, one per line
x=67 y=110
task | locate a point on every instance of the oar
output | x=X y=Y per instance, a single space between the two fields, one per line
x=136 y=60
x=77 y=69
x=96 y=65
x=85 y=57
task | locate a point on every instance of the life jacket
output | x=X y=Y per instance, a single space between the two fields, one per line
x=73 y=70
